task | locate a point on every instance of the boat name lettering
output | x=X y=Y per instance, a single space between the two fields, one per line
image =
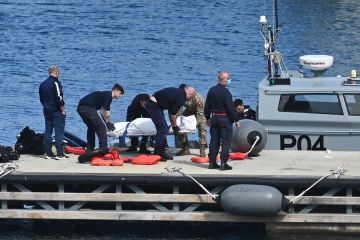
x=290 y=141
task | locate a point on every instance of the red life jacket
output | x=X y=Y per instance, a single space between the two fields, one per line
x=238 y=156
x=202 y=159
x=146 y=159
x=74 y=150
x=110 y=159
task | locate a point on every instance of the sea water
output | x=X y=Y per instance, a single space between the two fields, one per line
x=145 y=46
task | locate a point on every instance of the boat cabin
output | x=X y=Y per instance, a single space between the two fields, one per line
x=311 y=113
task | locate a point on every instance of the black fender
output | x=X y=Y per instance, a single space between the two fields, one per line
x=75 y=139
x=86 y=157
x=71 y=143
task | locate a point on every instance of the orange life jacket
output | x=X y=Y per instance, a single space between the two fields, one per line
x=146 y=159
x=110 y=159
x=74 y=150
x=238 y=156
x=200 y=159
x=104 y=161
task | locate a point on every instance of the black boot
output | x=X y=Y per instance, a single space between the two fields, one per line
x=162 y=154
x=144 y=150
x=213 y=165
x=157 y=151
x=224 y=166
x=131 y=149
x=166 y=156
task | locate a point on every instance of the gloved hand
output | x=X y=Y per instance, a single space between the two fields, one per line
x=176 y=130
x=110 y=126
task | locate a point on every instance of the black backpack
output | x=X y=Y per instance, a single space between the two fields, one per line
x=8 y=154
x=29 y=142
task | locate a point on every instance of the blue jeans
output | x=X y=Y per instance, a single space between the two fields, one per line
x=56 y=121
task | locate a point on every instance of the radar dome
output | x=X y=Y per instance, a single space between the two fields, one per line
x=318 y=64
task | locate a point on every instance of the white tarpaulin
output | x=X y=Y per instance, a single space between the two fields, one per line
x=146 y=127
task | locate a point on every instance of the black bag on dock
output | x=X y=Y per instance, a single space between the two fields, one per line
x=8 y=154
x=30 y=142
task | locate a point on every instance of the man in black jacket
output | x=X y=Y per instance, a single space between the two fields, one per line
x=87 y=109
x=244 y=111
x=137 y=110
x=51 y=97
x=170 y=99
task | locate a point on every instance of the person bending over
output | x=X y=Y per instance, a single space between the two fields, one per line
x=87 y=109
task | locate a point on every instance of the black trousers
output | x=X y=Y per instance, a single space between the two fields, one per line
x=95 y=125
x=221 y=134
x=157 y=116
x=130 y=116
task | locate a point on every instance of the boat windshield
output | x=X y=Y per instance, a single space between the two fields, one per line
x=310 y=103
x=352 y=103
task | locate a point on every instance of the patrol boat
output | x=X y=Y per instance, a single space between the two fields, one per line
x=304 y=110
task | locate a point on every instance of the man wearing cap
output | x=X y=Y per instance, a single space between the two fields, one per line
x=220 y=114
x=87 y=109
x=51 y=97
x=170 y=99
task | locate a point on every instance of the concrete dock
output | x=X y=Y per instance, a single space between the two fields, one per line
x=274 y=164
x=52 y=189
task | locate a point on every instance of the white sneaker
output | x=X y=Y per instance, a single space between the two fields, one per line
x=61 y=157
x=49 y=157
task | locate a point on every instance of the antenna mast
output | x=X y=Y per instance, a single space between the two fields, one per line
x=273 y=55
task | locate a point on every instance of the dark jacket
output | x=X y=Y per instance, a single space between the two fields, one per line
x=51 y=94
x=219 y=100
x=135 y=110
x=248 y=113
x=171 y=99
x=97 y=100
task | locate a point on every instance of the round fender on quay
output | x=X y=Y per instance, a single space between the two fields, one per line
x=86 y=157
x=252 y=200
x=245 y=136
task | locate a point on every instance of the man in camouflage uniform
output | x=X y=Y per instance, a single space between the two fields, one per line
x=195 y=106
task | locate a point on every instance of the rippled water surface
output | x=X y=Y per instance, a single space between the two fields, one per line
x=147 y=45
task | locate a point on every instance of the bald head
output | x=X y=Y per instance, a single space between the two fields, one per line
x=190 y=92
x=223 y=77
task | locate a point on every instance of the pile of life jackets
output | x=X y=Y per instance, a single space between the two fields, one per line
x=112 y=158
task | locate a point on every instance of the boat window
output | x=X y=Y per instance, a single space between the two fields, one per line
x=310 y=103
x=352 y=103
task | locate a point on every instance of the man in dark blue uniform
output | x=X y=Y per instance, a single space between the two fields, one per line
x=137 y=110
x=170 y=99
x=51 y=97
x=87 y=109
x=220 y=114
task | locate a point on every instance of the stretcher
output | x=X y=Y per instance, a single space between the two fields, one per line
x=146 y=127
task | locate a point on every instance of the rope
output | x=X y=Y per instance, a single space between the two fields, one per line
x=7 y=168
x=252 y=147
x=176 y=169
x=340 y=171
